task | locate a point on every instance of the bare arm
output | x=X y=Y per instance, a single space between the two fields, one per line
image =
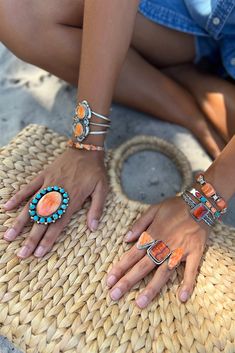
x=171 y=222
x=108 y=25
x=107 y=31
x=221 y=172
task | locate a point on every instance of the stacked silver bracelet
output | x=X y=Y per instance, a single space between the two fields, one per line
x=207 y=219
x=81 y=122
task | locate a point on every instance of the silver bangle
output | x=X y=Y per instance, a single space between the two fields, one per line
x=81 y=121
x=100 y=116
x=100 y=124
x=192 y=204
x=98 y=132
x=85 y=104
x=209 y=221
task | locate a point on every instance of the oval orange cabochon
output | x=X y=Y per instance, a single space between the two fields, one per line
x=49 y=203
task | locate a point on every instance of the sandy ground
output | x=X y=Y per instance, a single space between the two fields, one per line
x=31 y=95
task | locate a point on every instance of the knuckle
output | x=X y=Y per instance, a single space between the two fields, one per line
x=193 y=272
x=47 y=241
x=97 y=211
x=17 y=197
x=138 y=224
x=133 y=254
x=151 y=291
x=19 y=222
x=145 y=266
x=64 y=221
x=30 y=243
x=189 y=286
x=117 y=271
x=165 y=271
x=125 y=283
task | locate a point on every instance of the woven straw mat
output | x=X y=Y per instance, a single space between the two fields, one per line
x=60 y=303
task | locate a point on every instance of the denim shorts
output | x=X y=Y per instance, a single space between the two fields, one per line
x=175 y=15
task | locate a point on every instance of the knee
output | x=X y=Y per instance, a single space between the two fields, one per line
x=19 y=27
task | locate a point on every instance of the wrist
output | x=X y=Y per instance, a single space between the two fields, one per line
x=82 y=153
x=215 y=175
x=89 y=127
x=97 y=140
x=221 y=173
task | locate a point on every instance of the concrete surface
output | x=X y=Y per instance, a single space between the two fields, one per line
x=6 y=346
x=31 y=95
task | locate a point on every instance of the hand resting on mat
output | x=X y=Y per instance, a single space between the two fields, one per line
x=171 y=222
x=82 y=174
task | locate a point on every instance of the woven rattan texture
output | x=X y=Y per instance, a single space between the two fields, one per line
x=60 y=303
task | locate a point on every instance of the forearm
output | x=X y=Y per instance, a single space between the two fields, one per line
x=107 y=31
x=221 y=173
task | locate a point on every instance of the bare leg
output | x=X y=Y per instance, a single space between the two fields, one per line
x=214 y=95
x=141 y=85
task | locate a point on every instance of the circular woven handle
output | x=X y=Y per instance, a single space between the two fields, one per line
x=142 y=143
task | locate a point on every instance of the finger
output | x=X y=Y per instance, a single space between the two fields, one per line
x=97 y=205
x=139 y=271
x=25 y=192
x=128 y=259
x=19 y=224
x=31 y=242
x=52 y=233
x=190 y=273
x=159 y=279
x=141 y=224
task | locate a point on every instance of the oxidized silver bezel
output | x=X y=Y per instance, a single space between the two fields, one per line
x=86 y=129
x=197 y=206
x=87 y=110
x=57 y=214
x=85 y=122
x=153 y=258
x=145 y=246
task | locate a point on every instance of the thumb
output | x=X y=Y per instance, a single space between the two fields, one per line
x=98 y=198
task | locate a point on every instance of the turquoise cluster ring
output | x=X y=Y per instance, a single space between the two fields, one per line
x=48 y=205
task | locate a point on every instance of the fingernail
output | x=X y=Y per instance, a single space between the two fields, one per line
x=94 y=225
x=39 y=251
x=116 y=294
x=23 y=251
x=8 y=204
x=128 y=236
x=111 y=280
x=10 y=234
x=184 y=295
x=142 y=301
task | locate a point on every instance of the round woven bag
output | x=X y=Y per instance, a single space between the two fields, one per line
x=60 y=303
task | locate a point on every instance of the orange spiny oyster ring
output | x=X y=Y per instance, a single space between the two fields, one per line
x=158 y=252
x=144 y=241
x=175 y=258
x=48 y=205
